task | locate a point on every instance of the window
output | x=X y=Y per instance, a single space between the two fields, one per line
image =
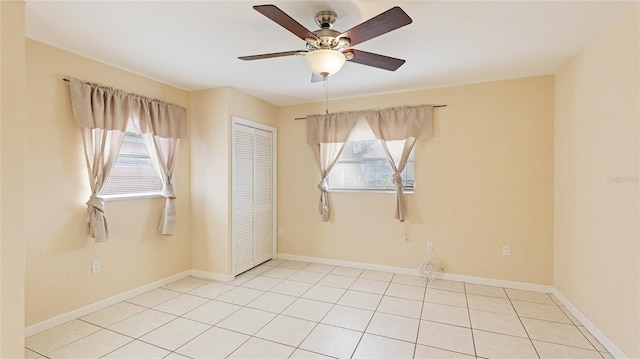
x=363 y=164
x=133 y=173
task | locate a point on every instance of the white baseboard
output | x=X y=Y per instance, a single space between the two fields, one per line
x=496 y=282
x=359 y=265
x=414 y=271
x=606 y=342
x=77 y=313
x=213 y=276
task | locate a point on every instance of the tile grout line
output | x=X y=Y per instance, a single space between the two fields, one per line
x=473 y=337
x=372 y=315
x=424 y=298
x=571 y=323
x=343 y=294
x=383 y=295
x=276 y=314
x=447 y=324
x=522 y=323
x=133 y=339
x=181 y=316
x=71 y=342
x=332 y=306
x=241 y=307
x=335 y=303
x=298 y=297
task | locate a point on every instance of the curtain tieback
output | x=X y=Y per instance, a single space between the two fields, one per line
x=95 y=202
x=167 y=191
x=324 y=200
x=397 y=180
x=323 y=186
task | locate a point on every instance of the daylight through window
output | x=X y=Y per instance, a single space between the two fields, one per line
x=133 y=173
x=363 y=164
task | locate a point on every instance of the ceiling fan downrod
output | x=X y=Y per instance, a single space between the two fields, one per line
x=325 y=19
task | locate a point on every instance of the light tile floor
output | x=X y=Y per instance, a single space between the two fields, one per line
x=289 y=309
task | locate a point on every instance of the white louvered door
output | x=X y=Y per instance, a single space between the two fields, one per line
x=242 y=206
x=252 y=196
x=263 y=197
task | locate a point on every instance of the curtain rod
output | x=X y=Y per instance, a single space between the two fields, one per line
x=297 y=118
x=304 y=118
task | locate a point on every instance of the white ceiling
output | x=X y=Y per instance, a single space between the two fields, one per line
x=195 y=44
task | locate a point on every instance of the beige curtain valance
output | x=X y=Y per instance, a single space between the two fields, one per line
x=389 y=124
x=399 y=123
x=333 y=128
x=98 y=106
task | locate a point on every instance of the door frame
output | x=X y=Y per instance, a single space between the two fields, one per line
x=274 y=155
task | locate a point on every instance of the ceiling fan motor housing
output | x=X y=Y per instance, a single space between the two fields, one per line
x=327 y=39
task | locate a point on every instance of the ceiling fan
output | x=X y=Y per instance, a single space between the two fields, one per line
x=328 y=49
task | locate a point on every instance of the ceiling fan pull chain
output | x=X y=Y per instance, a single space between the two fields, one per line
x=326 y=95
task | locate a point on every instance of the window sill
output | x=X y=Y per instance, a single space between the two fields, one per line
x=368 y=191
x=125 y=197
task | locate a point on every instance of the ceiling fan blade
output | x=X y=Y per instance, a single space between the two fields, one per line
x=284 y=20
x=389 y=20
x=273 y=54
x=375 y=60
x=316 y=78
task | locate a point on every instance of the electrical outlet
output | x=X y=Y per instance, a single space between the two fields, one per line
x=506 y=250
x=95 y=267
x=281 y=231
x=430 y=246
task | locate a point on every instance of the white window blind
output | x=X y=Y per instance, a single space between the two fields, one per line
x=133 y=173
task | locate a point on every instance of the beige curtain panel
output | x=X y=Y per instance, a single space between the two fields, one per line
x=164 y=152
x=102 y=113
x=327 y=134
x=101 y=149
x=406 y=124
x=162 y=125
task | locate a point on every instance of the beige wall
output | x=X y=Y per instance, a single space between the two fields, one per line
x=596 y=236
x=212 y=112
x=209 y=181
x=484 y=180
x=58 y=249
x=12 y=136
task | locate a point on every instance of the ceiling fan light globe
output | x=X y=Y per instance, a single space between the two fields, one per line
x=325 y=62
